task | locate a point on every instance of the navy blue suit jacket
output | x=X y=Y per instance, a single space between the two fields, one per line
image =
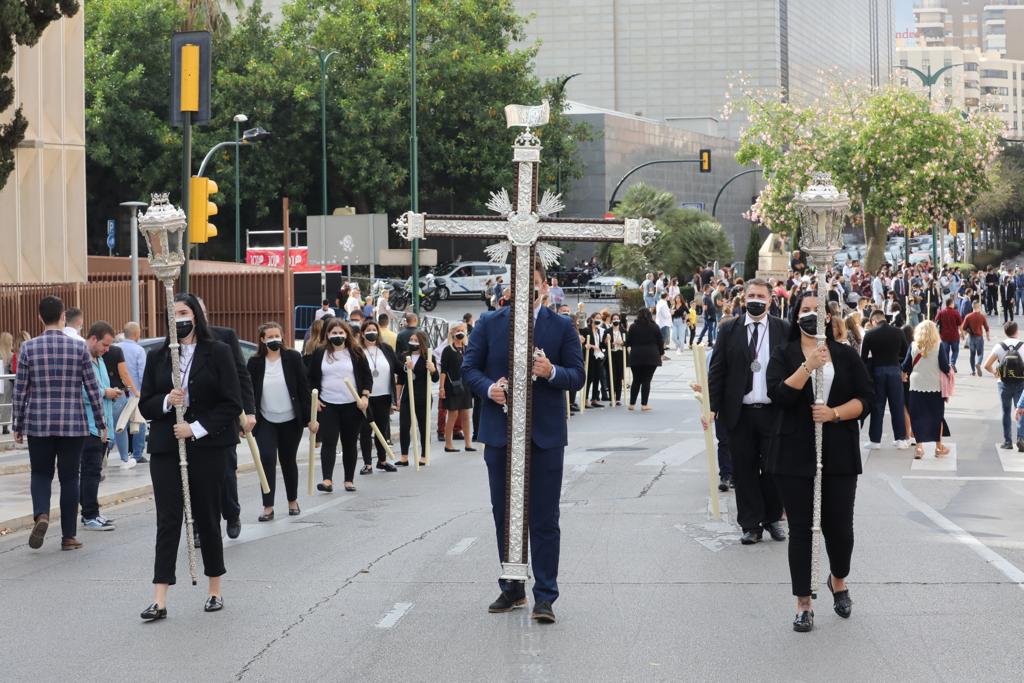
x=486 y=361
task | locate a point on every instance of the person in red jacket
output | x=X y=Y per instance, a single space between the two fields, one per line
x=975 y=325
x=949 y=321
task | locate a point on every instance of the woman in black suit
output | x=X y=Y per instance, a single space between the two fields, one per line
x=340 y=413
x=646 y=348
x=617 y=335
x=384 y=366
x=848 y=397
x=593 y=339
x=282 y=398
x=213 y=402
x=421 y=363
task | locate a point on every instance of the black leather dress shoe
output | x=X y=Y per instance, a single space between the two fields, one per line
x=723 y=484
x=776 y=531
x=804 y=622
x=214 y=603
x=153 y=612
x=843 y=605
x=507 y=602
x=234 y=528
x=387 y=467
x=266 y=517
x=751 y=537
x=543 y=613
x=294 y=512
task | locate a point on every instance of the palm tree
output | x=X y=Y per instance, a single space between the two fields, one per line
x=208 y=15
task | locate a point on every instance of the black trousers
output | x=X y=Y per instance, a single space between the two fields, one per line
x=405 y=420
x=205 y=479
x=642 y=376
x=380 y=413
x=63 y=454
x=343 y=420
x=837 y=497
x=279 y=440
x=229 y=505
x=93 y=451
x=595 y=379
x=757 y=497
x=477 y=406
x=617 y=368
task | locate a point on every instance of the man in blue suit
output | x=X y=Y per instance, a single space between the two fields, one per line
x=486 y=368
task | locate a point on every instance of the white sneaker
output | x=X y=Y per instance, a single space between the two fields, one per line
x=901 y=444
x=873 y=446
x=128 y=464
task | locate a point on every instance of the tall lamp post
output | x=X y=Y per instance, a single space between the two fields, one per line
x=414 y=160
x=822 y=210
x=134 y=266
x=323 y=57
x=928 y=79
x=239 y=119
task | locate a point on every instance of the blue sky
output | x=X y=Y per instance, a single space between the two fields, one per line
x=904 y=15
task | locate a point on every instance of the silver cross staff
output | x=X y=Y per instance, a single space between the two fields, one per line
x=524 y=227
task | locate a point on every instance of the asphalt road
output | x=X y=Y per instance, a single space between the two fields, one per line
x=392 y=582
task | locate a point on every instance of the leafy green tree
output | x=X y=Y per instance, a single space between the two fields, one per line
x=753 y=247
x=22 y=22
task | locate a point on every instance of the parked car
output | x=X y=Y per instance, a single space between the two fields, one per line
x=467 y=278
x=248 y=347
x=607 y=285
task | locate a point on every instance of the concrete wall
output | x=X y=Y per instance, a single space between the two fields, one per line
x=42 y=206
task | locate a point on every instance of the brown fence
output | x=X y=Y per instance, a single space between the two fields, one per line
x=238 y=300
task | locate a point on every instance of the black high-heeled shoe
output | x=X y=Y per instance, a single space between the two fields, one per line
x=153 y=612
x=214 y=603
x=842 y=603
x=804 y=621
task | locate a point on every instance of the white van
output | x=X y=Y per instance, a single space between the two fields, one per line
x=469 y=278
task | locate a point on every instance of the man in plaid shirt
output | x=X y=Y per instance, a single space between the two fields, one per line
x=48 y=409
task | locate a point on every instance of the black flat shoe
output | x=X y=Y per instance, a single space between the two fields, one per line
x=266 y=517
x=423 y=463
x=804 y=622
x=367 y=469
x=507 y=602
x=234 y=528
x=387 y=467
x=152 y=613
x=751 y=537
x=350 y=487
x=402 y=463
x=326 y=488
x=843 y=605
x=450 y=450
x=214 y=603
x=294 y=512
x=470 y=449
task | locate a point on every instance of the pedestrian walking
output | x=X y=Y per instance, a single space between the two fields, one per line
x=1008 y=297
x=341 y=415
x=616 y=338
x=212 y=400
x=453 y=392
x=95 y=446
x=710 y=313
x=663 y=317
x=1006 y=363
x=883 y=350
x=926 y=363
x=975 y=325
x=121 y=380
x=52 y=371
x=680 y=316
x=848 y=397
x=422 y=365
x=949 y=321
x=645 y=342
x=593 y=341
x=650 y=290
x=281 y=393
x=6 y=386
x=384 y=366
x=135 y=360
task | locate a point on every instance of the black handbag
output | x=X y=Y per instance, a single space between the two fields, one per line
x=456 y=388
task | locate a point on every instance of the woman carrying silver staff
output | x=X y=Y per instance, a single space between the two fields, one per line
x=792 y=460
x=213 y=401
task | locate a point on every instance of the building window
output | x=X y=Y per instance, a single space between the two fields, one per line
x=949 y=81
x=903 y=62
x=995 y=73
x=970 y=66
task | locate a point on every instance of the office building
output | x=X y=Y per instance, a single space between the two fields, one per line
x=990 y=26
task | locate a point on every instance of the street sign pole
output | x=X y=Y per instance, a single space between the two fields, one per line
x=134 y=208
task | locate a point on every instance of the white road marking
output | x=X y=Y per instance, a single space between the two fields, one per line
x=1012 y=460
x=462 y=546
x=930 y=463
x=262 y=530
x=678 y=453
x=939 y=477
x=1005 y=567
x=395 y=615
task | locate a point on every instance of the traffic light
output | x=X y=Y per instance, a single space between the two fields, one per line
x=200 y=208
x=953 y=227
x=705 y=161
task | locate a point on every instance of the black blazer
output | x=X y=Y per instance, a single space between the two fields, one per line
x=361 y=368
x=730 y=365
x=215 y=399
x=646 y=345
x=419 y=375
x=294 y=377
x=793 y=450
x=390 y=365
x=228 y=336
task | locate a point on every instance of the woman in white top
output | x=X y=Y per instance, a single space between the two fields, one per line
x=283 y=404
x=384 y=366
x=341 y=414
x=926 y=365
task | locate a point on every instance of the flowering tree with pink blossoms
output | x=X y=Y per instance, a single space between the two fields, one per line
x=899 y=160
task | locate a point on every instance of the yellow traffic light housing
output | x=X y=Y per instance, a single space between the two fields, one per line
x=953 y=226
x=200 y=230
x=705 y=161
x=189 y=78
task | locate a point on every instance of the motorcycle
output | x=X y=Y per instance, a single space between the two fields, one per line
x=401 y=295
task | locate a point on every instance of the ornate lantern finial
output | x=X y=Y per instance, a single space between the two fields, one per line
x=164 y=227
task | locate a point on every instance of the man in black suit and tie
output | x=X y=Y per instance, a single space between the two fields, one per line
x=738 y=392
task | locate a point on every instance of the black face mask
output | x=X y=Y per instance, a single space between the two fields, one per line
x=414 y=348
x=808 y=323
x=460 y=336
x=756 y=308
x=337 y=340
x=183 y=328
x=370 y=336
x=274 y=344
x=615 y=323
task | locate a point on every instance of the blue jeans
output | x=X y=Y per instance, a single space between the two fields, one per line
x=710 y=326
x=952 y=351
x=679 y=332
x=666 y=337
x=650 y=301
x=888 y=388
x=63 y=452
x=1009 y=397
x=976 y=345
x=120 y=440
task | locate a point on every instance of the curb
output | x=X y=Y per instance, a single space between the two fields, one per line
x=25 y=521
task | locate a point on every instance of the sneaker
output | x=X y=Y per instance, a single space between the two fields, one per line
x=874 y=446
x=1020 y=445
x=95 y=524
x=901 y=444
x=141 y=459
x=129 y=463
x=1006 y=446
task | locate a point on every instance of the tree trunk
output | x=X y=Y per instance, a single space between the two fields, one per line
x=874 y=235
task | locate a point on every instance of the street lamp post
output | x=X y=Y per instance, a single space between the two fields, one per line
x=134 y=207
x=248 y=137
x=928 y=79
x=239 y=118
x=323 y=58
x=822 y=210
x=414 y=162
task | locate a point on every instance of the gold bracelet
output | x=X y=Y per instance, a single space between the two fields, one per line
x=810 y=373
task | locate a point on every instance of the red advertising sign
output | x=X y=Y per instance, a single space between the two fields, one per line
x=273 y=257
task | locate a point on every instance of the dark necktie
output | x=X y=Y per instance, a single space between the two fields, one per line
x=753 y=342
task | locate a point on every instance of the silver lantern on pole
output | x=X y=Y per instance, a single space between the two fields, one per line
x=822 y=210
x=164 y=227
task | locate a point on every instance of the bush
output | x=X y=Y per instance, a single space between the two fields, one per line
x=687 y=291
x=631 y=302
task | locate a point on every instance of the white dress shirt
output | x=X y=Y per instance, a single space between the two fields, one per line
x=186 y=353
x=759 y=390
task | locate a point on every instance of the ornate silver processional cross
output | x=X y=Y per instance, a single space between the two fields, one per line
x=521 y=225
